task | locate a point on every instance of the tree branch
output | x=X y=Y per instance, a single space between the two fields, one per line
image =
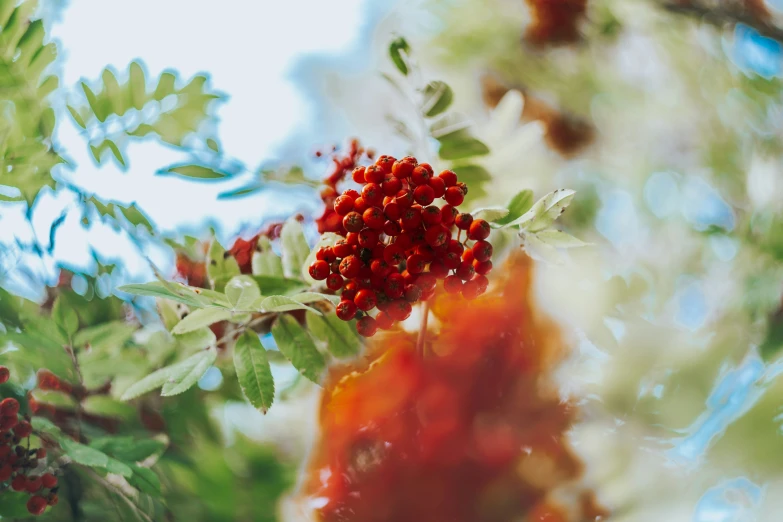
x=722 y=15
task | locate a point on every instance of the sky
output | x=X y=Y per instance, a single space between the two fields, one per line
x=249 y=50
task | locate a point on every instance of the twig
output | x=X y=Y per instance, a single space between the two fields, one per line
x=721 y=16
x=79 y=405
x=119 y=493
x=423 y=329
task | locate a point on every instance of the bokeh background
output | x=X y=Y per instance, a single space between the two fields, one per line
x=665 y=117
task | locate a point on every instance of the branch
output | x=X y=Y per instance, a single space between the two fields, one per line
x=724 y=15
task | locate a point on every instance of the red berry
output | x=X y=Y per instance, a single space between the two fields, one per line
x=408 y=277
x=404 y=199
x=343 y=205
x=467 y=255
x=346 y=310
x=353 y=222
x=454 y=196
x=392 y=211
x=431 y=215
x=482 y=251
x=404 y=241
x=470 y=290
x=9 y=407
x=448 y=177
x=439 y=269
x=425 y=251
x=415 y=264
x=424 y=195
x=19 y=483
x=48 y=480
x=349 y=291
x=351 y=193
x=319 y=270
x=41 y=453
x=412 y=293
x=452 y=284
x=393 y=254
x=451 y=260
x=374 y=174
x=399 y=310
x=420 y=175
x=428 y=167
x=426 y=282
x=5 y=472
x=482 y=282
x=373 y=217
x=391 y=186
x=5 y=374
x=482 y=267
x=384 y=321
x=36 y=505
x=438 y=186
x=350 y=267
x=368 y=238
x=33 y=484
x=23 y=429
x=365 y=300
x=352 y=238
x=392 y=228
x=325 y=254
x=479 y=230
x=358 y=175
x=465 y=270
x=379 y=267
x=463 y=187
x=411 y=218
x=385 y=163
x=394 y=286
x=6 y=423
x=342 y=249
x=404 y=167
x=334 y=282
x=372 y=194
x=448 y=213
x=360 y=205
x=437 y=235
x=463 y=221
x=366 y=326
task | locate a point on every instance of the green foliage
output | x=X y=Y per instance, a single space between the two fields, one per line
x=295 y=343
x=253 y=371
x=399 y=51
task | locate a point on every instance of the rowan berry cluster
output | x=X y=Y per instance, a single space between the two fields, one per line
x=398 y=243
x=19 y=464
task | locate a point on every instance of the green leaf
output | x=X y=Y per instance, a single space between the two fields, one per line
x=266 y=262
x=77 y=117
x=471 y=174
x=221 y=267
x=281 y=303
x=294 y=246
x=175 y=292
x=560 y=239
x=198 y=339
x=195 y=172
x=145 y=480
x=65 y=317
x=253 y=371
x=491 y=214
x=212 y=144
x=460 y=145
x=91 y=457
x=312 y=297
x=294 y=342
x=519 y=204
x=170 y=374
x=242 y=191
x=271 y=285
x=128 y=449
x=9 y=315
x=438 y=96
x=13 y=505
x=201 y=318
x=188 y=374
x=97 y=108
x=545 y=211
x=398 y=51
x=242 y=292
x=137 y=84
x=104 y=337
x=117 y=154
x=340 y=336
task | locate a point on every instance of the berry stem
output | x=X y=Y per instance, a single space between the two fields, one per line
x=425 y=314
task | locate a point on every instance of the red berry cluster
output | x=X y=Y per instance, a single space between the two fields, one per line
x=18 y=462
x=398 y=243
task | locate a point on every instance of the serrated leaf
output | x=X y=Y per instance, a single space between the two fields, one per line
x=242 y=292
x=559 y=239
x=91 y=457
x=201 y=318
x=438 y=96
x=266 y=262
x=162 y=376
x=197 y=339
x=518 y=205
x=77 y=117
x=188 y=374
x=104 y=336
x=313 y=297
x=281 y=303
x=222 y=267
x=271 y=285
x=340 y=336
x=195 y=172
x=116 y=152
x=471 y=174
x=491 y=214
x=137 y=84
x=294 y=342
x=179 y=293
x=545 y=211
x=92 y=100
x=460 y=145
x=145 y=480
x=541 y=251
x=65 y=317
x=128 y=449
x=253 y=371
x=294 y=247
x=398 y=50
